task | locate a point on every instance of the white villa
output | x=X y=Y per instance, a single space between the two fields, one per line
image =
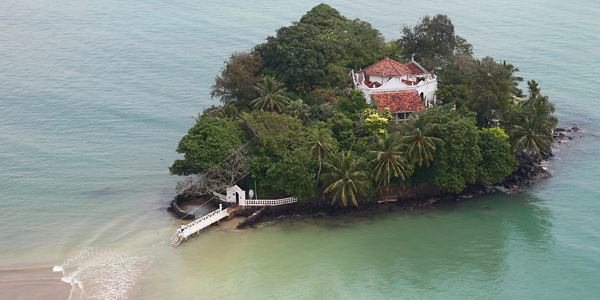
x=404 y=88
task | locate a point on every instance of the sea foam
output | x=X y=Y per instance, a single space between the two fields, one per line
x=103 y=274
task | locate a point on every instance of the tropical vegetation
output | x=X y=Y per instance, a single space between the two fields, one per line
x=292 y=120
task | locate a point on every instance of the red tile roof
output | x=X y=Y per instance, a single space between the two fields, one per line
x=399 y=101
x=408 y=82
x=387 y=67
x=372 y=84
x=414 y=69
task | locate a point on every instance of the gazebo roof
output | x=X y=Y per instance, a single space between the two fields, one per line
x=387 y=67
x=415 y=68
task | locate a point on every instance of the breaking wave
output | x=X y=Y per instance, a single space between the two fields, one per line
x=103 y=274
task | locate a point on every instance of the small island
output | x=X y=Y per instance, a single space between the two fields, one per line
x=329 y=112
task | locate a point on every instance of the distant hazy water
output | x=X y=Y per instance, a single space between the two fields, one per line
x=95 y=95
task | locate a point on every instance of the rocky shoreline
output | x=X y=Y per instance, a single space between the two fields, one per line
x=530 y=169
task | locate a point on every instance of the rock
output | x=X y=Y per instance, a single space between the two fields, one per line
x=254 y=218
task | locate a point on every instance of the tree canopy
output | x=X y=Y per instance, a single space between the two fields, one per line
x=239 y=78
x=322 y=46
x=496 y=159
x=490 y=92
x=456 y=163
x=433 y=41
x=206 y=145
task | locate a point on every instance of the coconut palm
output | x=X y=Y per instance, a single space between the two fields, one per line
x=420 y=147
x=228 y=111
x=542 y=109
x=345 y=177
x=389 y=160
x=533 y=88
x=272 y=95
x=544 y=120
x=321 y=146
x=298 y=109
x=528 y=138
x=513 y=79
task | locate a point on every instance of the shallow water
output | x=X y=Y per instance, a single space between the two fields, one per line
x=95 y=95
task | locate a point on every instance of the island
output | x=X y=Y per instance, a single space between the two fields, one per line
x=330 y=113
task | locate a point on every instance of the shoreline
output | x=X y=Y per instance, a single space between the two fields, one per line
x=530 y=170
x=423 y=201
x=367 y=209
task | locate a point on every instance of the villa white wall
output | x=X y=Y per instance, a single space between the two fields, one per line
x=428 y=88
x=384 y=80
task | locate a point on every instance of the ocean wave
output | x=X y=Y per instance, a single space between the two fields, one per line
x=103 y=274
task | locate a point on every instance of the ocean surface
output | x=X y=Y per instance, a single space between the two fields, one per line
x=95 y=95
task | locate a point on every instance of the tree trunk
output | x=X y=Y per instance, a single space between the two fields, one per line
x=319 y=173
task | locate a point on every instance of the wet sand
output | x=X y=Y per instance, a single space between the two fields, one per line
x=33 y=283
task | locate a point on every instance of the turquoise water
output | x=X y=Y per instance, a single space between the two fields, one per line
x=95 y=95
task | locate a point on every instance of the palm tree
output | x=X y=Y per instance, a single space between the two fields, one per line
x=321 y=145
x=389 y=160
x=345 y=178
x=529 y=137
x=272 y=95
x=543 y=109
x=513 y=79
x=420 y=146
x=533 y=88
x=544 y=120
x=533 y=133
x=298 y=109
x=228 y=111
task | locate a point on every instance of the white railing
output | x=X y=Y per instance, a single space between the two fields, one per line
x=198 y=225
x=220 y=196
x=275 y=202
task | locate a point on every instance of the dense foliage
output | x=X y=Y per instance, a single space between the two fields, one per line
x=206 y=145
x=239 y=78
x=496 y=159
x=456 y=163
x=306 y=133
x=433 y=42
x=321 y=47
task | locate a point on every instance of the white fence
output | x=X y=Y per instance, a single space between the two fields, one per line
x=237 y=195
x=198 y=225
x=275 y=202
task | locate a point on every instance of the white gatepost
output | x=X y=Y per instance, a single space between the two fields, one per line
x=235 y=192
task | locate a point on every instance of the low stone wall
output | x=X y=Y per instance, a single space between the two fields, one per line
x=254 y=218
x=180 y=213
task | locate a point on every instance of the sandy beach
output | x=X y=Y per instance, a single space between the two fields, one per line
x=32 y=283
